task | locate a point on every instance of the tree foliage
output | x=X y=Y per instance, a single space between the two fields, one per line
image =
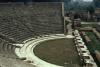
x=78 y=5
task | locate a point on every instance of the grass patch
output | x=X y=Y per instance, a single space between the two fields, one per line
x=95 y=43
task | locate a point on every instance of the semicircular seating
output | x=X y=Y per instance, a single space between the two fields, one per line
x=26 y=51
x=19 y=23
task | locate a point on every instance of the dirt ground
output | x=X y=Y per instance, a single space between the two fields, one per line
x=59 y=52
